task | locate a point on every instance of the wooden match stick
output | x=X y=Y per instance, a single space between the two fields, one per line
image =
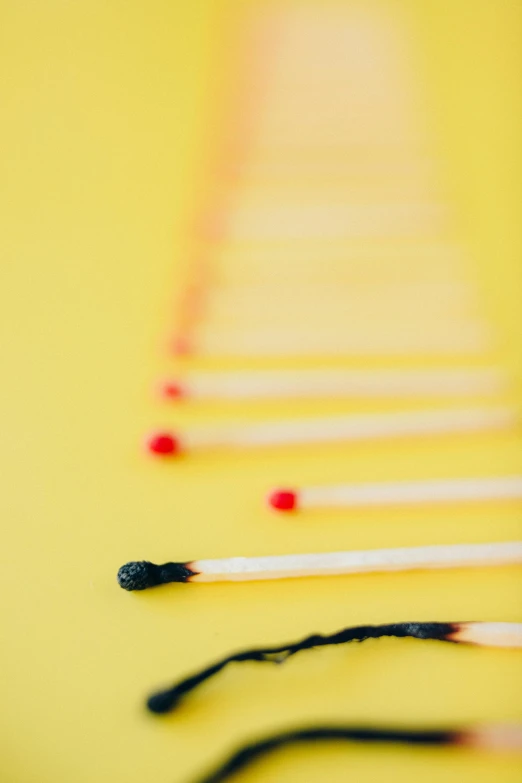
x=143 y=574
x=387 y=219
x=401 y=492
x=464 y=338
x=333 y=383
x=475 y=633
x=496 y=738
x=337 y=429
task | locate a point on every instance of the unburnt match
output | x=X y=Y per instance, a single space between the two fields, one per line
x=459 y=490
x=495 y=738
x=475 y=633
x=143 y=574
x=336 y=429
x=333 y=383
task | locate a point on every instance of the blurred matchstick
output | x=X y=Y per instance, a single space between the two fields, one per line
x=336 y=429
x=398 y=493
x=334 y=383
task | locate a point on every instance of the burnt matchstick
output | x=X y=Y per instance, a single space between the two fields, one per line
x=143 y=574
x=476 y=633
x=459 y=490
x=333 y=383
x=496 y=738
x=337 y=429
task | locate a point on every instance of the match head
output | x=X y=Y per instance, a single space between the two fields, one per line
x=172 y=390
x=163 y=444
x=162 y=702
x=181 y=346
x=283 y=499
x=138 y=575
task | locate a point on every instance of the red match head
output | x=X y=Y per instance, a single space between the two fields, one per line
x=163 y=444
x=283 y=499
x=172 y=390
x=181 y=346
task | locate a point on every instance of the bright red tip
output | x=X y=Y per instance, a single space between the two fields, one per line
x=163 y=444
x=283 y=499
x=172 y=390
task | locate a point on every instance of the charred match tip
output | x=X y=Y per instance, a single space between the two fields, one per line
x=162 y=702
x=140 y=575
x=164 y=444
x=283 y=499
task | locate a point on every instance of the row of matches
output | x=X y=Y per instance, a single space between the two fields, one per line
x=328 y=232
x=328 y=236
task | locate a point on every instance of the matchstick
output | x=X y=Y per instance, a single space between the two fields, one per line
x=143 y=574
x=386 y=219
x=427 y=262
x=346 y=341
x=398 y=493
x=475 y=633
x=496 y=738
x=334 y=383
x=337 y=429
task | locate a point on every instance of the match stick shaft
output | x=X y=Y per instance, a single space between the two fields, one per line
x=357 y=562
x=468 y=339
x=442 y=491
x=490 y=634
x=500 y=738
x=357 y=427
x=386 y=219
x=272 y=384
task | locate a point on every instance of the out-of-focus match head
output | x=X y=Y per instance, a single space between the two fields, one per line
x=181 y=346
x=283 y=499
x=163 y=444
x=172 y=390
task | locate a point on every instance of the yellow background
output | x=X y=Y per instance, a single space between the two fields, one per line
x=106 y=110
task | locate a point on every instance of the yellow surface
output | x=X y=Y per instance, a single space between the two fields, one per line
x=104 y=125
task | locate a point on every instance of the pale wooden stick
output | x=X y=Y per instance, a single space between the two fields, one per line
x=372 y=561
x=489 y=634
x=500 y=739
x=381 y=340
x=339 y=429
x=366 y=220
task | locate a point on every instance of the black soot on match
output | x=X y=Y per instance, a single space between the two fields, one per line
x=140 y=575
x=161 y=702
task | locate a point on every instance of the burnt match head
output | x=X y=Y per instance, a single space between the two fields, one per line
x=139 y=575
x=162 y=702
